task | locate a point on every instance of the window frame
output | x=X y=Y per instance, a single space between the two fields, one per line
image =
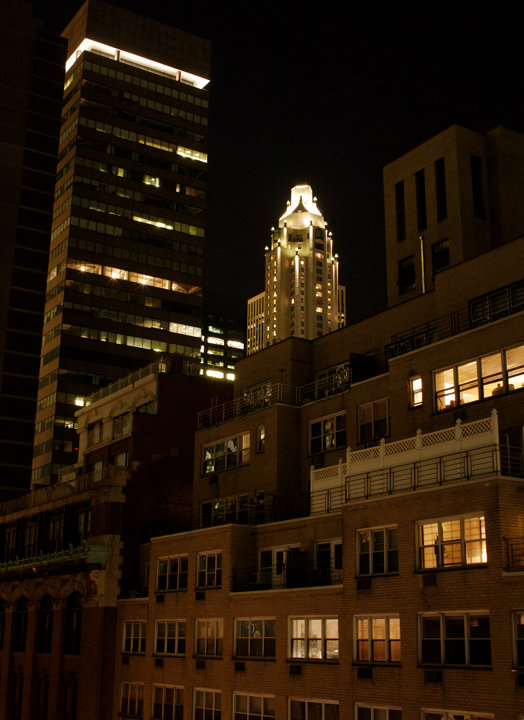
x=382 y=708
x=451 y=714
x=267 y=640
x=137 y=635
x=206 y=711
x=416 y=391
x=443 y=637
x=313 y=701
x=235 y=452
x=447 y=395
x=138 y=698
x=318 y=443
x=177 y=706
x=180 y=573
x=375 y=434
x=213 y=641
x=257 y=713
x=315 y=646
x=389 y=553
x=518 y=639
x=209 y=578
x=178 y=638
x=332 y=570
x=439 y=546
x=372 y=639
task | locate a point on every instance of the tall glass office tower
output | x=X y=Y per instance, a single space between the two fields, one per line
x=127 y=243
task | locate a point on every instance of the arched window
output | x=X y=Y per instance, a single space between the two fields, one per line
x=45 y=625
x=73 y=624
x=20 y=625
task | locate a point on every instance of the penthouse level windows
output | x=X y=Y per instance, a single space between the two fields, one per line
x=485 y=377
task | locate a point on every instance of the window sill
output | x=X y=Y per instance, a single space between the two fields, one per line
x=208 y=657
x=448 y=568
x=167 y=655
x=424 y=666
x=128 y=653
x=357 y=663
x=174 y=590
x=378 y=575
x=249 y=658
x=208 y=587
x=311 y=661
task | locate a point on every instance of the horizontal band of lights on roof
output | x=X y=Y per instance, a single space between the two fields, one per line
x=128 y=58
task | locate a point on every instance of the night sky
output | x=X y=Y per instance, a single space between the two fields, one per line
x=327 y=94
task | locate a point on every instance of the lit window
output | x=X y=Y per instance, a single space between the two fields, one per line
x=209 y=637
x=377 y=551
x=373 y=420
x=486 y=377
x=377 y=639
x=312 y=710
x=170 y=637
x=224 y=510
x=255 y=637
x=168 y=702
x=209 y=569
x=226 y=454
x=314 y=638
x=415 y=391
x=454 y=541
x=455 y=639
x=327 y=434
x=260 y=439
x=151 y=180
x=134 y=640
x=172 y=573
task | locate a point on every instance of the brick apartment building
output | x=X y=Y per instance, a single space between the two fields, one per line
x=355 y=543
x=70 y=550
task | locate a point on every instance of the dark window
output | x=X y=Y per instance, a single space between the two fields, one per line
x=476 y=184
x=420 y=188
x=462 y=639
x=70 y=698
x=42 y=696
x=440 y=255
x=73 y=625
x=18 y=694
x=45 y=625
x=440 y=188
x=373 y=420
x=406 y=274
x=400 y=211
x=20 y=625
x=2 y=623
x=377 y=551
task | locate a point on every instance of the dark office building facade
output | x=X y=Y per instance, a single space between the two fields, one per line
x=127 y=243
x=31 y=82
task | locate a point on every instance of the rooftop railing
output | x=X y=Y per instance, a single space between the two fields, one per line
x=269 y=393
x=158 y=366
x=65 y=489
x=480 y=311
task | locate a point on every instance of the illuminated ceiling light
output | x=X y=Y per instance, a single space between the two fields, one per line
x=123 y=56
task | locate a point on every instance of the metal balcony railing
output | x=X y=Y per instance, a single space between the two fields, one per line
x=300 y=573
x=480 y=311
x=433 y=472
